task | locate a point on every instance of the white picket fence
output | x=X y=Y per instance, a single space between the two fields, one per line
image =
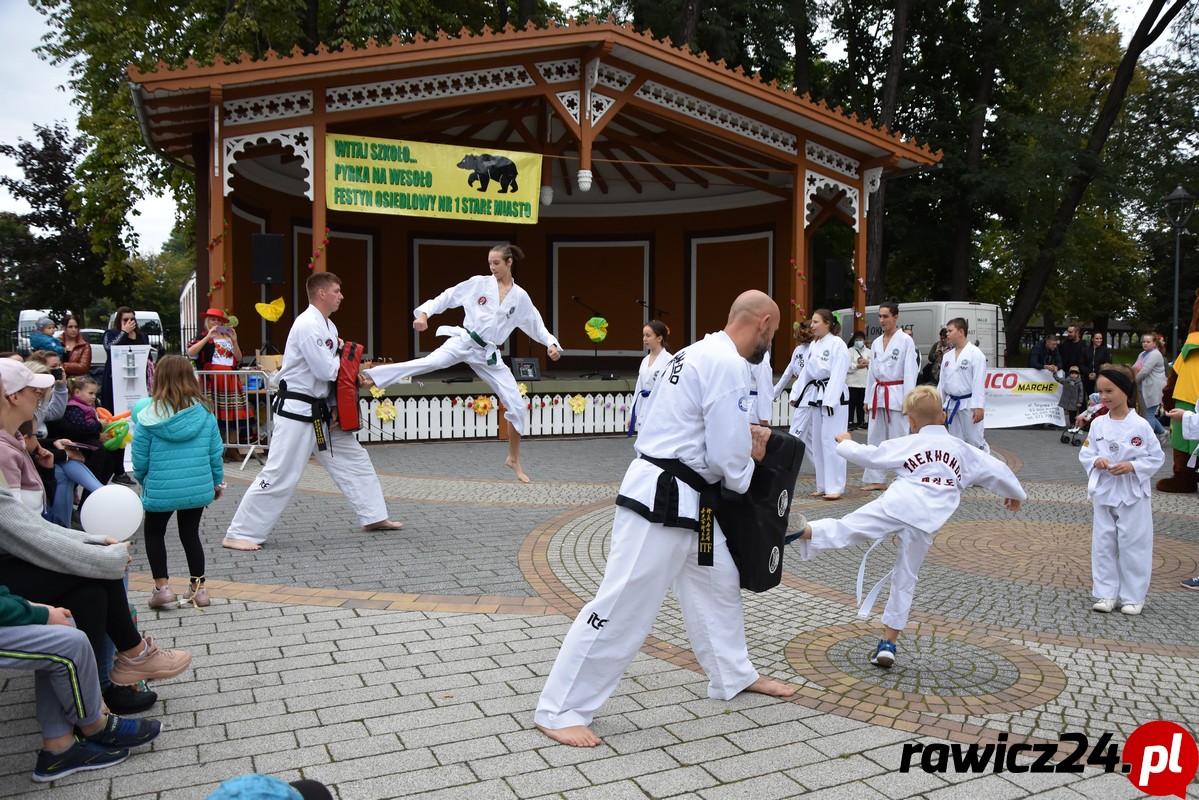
x=431 y=418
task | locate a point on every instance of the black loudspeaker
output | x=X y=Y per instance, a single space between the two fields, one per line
x=267 y=257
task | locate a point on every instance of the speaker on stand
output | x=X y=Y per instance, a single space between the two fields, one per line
x=266 y=267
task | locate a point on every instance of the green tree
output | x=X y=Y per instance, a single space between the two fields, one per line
x=46 y=254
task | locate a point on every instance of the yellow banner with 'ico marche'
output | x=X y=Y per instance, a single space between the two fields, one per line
x=384 y=176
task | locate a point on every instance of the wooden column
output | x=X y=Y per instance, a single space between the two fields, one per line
x=800 y=299
x=319 y=210
x=859 y=261
x=218 y=248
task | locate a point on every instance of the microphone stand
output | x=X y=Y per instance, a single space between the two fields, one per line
x=654 y=312
x=595 y=345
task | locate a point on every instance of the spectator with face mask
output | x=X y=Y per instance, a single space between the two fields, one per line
x=859 y=366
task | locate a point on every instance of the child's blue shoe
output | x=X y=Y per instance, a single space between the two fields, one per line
x=1191 y=583
x=884 y=656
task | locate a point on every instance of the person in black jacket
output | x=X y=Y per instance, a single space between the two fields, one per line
x=1073 y=349
x=1097 y=356
x=1045 y=356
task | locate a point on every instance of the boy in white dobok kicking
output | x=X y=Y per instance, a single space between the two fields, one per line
x=932 y=468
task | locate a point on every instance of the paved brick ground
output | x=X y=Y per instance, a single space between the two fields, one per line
x=407 y=665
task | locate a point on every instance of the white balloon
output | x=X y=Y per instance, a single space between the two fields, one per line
x=114 y=511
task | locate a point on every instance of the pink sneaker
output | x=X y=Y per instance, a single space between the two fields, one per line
x=153 y=664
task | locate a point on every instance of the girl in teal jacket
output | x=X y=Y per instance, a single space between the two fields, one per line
x=177 y=451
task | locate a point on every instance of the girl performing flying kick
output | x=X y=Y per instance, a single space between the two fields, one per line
x=495 y=306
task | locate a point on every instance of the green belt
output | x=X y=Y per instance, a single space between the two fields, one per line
x=479 y=341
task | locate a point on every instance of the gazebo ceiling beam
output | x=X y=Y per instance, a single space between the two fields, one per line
x=644 y=160
x=685 y=145
x=696 y=150
x=631 y=144
x=607 y=152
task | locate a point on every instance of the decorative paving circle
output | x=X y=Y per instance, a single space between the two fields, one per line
x=1047 y=554
x=940 y=670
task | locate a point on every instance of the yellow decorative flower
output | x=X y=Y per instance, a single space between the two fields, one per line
x=578 y=403
x=386 y=411
x=524 y=390
x=482 y=405
x=376 y=392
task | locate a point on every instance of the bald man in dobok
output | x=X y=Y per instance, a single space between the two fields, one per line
x=700 y=434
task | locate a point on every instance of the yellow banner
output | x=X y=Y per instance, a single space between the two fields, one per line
x=384 y=176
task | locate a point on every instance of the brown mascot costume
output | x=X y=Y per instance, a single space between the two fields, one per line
x=1182 y=391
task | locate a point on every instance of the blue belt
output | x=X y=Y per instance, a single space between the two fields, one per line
x=633 y=414
x=957 y=402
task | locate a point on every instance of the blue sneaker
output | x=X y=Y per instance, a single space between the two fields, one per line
x=80 y=756
x=124 y=732
x=884 y=656
x=1192 y=583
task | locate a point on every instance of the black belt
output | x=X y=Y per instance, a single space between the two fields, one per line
x=318 y=418
x=666 y=503
x=823 y=384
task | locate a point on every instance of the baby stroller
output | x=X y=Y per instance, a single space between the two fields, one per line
x=1082 y=423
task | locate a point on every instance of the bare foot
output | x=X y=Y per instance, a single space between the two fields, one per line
x=769 y=686
x=574 y=736
x=832 y=497
x=817 y=494
x=874 y=487
x=383 y=525
x=523 y=478
x=239 y=544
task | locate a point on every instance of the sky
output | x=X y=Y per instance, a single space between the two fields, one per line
x=31 y=93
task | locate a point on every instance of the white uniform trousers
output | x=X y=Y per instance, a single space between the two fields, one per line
x=801 y=425
x=869 y=524
x=830 y=467
x=292 y=442
x=965 y=428
x=458 y=350
x=883 y=426
x=645 y=560
x=1122 y=551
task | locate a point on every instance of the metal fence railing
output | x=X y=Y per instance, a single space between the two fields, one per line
x=241 y=400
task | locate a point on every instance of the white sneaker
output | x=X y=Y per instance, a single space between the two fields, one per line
x=1106 y=605
x=1131 y=609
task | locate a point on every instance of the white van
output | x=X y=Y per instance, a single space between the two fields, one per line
x=924 y=322
x=147 y=322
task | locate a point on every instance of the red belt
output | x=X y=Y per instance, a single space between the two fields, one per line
x=885 y=386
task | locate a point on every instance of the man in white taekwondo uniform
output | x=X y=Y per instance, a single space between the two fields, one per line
x=701 y=420
x=310 y=364
x=962 y=386
x=892 y=374
x=495 y=306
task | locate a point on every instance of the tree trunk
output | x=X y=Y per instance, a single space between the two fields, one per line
x=312 y=36
x=685 y=25
x=525 y=9
x=875 y=268
x=803 y=46
x=1036 y=278
x=963 y=238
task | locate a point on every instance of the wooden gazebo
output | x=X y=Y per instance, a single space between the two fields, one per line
x=667 y=182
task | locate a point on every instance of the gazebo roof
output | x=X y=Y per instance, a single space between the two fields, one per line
x=657 y=122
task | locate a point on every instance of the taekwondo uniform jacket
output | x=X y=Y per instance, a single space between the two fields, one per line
x=961 y=376
x=897 y=362
x=828 y=363
x=1130 y=439
x=491 y=321
x=647 y=376
x=701 y=416
x=762 y=389
x=794 y=370
x=932 y=468
x=310 y=361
